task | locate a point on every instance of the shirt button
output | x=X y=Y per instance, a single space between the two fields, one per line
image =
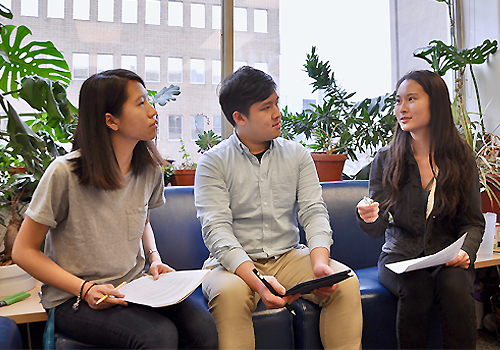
x=265 y=203
x=262 y=179
x=266 y=225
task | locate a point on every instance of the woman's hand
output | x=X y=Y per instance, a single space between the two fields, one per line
x=368 y=212
x=98 y=291
x=461 y=260
x=157 y=267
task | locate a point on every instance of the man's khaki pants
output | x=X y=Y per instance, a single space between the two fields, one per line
x=232 y=302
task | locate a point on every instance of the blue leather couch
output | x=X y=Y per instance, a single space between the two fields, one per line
x=178 y=237
x=10 y=338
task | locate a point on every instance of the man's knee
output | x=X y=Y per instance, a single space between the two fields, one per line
x=230 y=292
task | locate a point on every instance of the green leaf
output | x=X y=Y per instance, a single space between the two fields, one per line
x=166 y=94
x=5 y=12
x=36 y=57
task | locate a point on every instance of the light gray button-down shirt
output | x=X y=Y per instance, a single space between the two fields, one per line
x=248 y=210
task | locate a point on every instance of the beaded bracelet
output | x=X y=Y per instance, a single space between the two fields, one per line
x=76 y=305
x=87 y=292
x=151 y=251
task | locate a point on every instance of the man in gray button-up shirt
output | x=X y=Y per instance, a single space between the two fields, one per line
x=249 y=191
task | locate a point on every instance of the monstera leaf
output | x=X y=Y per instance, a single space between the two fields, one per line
x=35 y=58
x=443 y=57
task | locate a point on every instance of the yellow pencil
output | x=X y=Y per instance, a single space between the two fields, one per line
x=107 y=295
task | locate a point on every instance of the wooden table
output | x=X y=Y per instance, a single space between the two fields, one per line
x=28 y=310
x=495 y=260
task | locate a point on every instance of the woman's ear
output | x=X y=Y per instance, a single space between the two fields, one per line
x=239 y=118
x=111 y=122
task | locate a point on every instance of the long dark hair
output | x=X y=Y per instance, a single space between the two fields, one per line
x=452 y=156
x=97 y=166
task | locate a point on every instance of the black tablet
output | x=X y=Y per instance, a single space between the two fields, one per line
x=326 y=281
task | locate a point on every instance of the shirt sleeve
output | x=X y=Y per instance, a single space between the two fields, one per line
x=213 y=210
x=312 y=213
x=157 y=198
x=50 y=201
x=377 y=228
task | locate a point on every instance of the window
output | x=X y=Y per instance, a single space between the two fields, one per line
x=129 y=62
x=216 y=17
x=55 y=9
x=197 y=71
x=240 y=19
x=197 y=125
x=174 y=127
x=260 y=21
x=29 y=8
x=152 y=67
x=197 y=15
x=217 y=124
x=129 y=11
x=105 y=10
x=174 y=70
x=306 y=104
x=261 y=66
x=175 y=13
x=153 y=12
x=104 y=62
x=216 y=71
x=81 y=9
x=80 y=66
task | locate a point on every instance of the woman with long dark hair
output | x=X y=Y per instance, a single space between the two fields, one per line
x=91 y=207
x=424 y=195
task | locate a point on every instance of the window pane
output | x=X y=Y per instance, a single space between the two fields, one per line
x=197 y=125
x=7 y=3
x=153 y=9
x=105 y=10
x=29 y=8
x=55 y=8
x=197 y=71
x=216 y=71
x=152 y=68
x=174 y=127
x=129 y=11
x=240 y=19
x=104 y=62
x=174 y=70
x=175 y=13
x=216 y=17
x=129 y=62
x=261 y=66
x=81 y=9
x=198 y=15
x=217 y=124
x=260 y=21
x=80 y=65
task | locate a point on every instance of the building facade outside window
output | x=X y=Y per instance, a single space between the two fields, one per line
x=29 y=8
x=152 y=69
x=174 y=70
x=81 y=10
x=217 y=124
x=129 y=62
x=55 y=8
x=80 y=66
x=105 y=10
x=129 y=11
x=197 y=71
x=197 y=15
x=197 y=126
x=104 y=62
x=216 y=71
x=153 y=11
x=175 y=14
x=174 y=127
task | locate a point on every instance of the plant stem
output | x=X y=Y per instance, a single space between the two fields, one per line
x=477 y=96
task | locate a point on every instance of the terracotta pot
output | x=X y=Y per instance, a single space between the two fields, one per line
x=183 y=177
x=329 y=166
x=488 y=205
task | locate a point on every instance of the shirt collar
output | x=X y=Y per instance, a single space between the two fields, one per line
x=243 y=148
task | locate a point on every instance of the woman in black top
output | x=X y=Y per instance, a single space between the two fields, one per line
x=424 y=195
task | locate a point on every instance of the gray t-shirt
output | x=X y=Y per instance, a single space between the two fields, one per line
x=94 y=234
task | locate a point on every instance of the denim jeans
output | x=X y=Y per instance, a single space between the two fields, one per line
x=186 y=325
x=449 y=288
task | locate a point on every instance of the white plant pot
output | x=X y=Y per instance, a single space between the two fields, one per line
x=13 y=280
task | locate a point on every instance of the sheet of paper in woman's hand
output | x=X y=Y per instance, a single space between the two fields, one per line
x=169 y=289
x=442 y=257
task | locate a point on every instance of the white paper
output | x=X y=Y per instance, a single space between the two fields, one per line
x=169 y=289
x=442 y=257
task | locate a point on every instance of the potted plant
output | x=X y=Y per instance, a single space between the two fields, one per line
x=207 y=140
x=337 y=126
x=184 y=172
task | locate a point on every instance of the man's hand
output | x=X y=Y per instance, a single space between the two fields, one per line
x=461 y=260
x=320 y=270
x=269 y=299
